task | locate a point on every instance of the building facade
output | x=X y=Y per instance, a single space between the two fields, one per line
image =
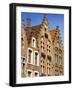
x=42 y=52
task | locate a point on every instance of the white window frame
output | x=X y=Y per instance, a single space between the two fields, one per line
x=37 y=58
x=31 y=55
x=34 y=45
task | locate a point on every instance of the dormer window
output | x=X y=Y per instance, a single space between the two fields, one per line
x=33 y=42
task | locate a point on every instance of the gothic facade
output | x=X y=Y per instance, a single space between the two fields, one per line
x=42 y=52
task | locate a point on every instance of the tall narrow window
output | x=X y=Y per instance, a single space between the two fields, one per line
x=33 y=42
x=60 y=60
x=48 y=47
x=29 y=56
x=42 y=68
x=48 y=71
x=56 y=58
x=23 y=66
x=36 y=56
x=22 y=42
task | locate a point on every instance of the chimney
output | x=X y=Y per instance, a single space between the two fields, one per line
x=28 y=22
x=57 y=27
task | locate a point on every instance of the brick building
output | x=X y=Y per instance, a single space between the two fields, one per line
x=42 y=52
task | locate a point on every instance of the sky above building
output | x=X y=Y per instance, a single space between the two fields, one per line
x=53 y=21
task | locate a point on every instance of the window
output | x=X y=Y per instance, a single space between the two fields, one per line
x=22 y=42
x=56 y=58
x=57 y=45
x=56 y=73
x=36 y=54
x=23 y=66
x=29 y=73
x=60 y=60
x=49 y=58
x=48 y=47
x=36 y=58
x=43 y=55
x=48 y=70
x=42 y=44
x=33 y=42
x=46 y=35
x=36 y=74
x=42 y=68
x=42 y=48
x=29 y=56
x=45 y=29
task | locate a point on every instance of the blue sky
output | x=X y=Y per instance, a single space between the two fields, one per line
x=53 y=20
